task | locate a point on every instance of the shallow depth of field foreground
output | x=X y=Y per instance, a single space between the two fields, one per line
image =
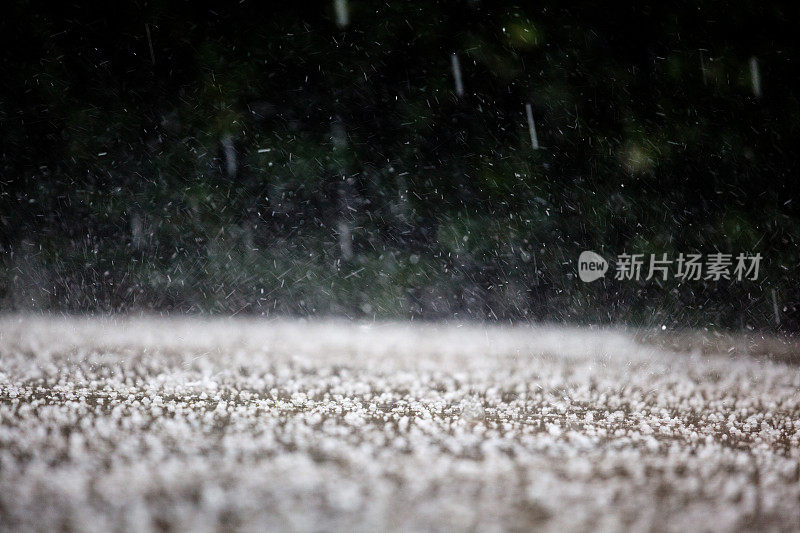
x=155 y=424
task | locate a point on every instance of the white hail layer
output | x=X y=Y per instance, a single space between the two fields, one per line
x=146 y=423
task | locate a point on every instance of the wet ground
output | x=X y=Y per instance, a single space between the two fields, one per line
x=161 y=424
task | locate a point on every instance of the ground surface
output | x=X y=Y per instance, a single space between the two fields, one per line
x=146 y=424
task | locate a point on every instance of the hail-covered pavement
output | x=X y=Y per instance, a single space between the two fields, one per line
x=185 y=423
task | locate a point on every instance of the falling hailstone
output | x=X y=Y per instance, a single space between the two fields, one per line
x=230 y=155
x=775 y=308
x=345 y=240
x=703 y=68
x=472 y=411
x=755 y=77
x=342 y=13
x=457 y=74
x=532 y=127
x=150 y=44
x=137 y=232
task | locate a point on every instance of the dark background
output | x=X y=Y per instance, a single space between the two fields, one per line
x=264 y=159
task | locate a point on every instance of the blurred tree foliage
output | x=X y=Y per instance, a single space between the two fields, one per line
x=264 y=157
